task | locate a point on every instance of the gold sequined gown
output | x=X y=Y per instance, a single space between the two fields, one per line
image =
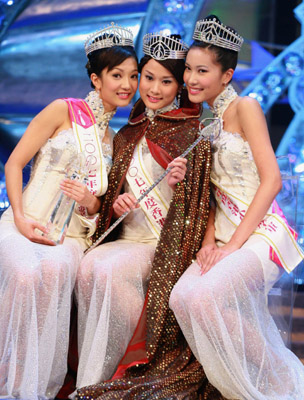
x=111 y=288
x=36 y=284
x=224 y=314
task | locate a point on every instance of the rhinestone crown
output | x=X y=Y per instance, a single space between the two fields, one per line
x=213 y=32
x=112 y=35
x=162 y=47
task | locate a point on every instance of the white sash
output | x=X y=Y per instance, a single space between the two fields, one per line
x=88 y=142
x=273 y=229
x=155 y=206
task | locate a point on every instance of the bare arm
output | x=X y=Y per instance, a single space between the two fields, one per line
x=80 y=193
x=45 y=125
x=253 y=125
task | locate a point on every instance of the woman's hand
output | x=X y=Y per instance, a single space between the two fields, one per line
x=124 y=202
x=204 y=252
x=81 y=194
x=178 y=171
x=213 y=254
x=27 y=228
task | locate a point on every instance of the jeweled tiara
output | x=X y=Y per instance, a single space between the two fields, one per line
x=213 y=32
x=112 y=35
x=162 y=47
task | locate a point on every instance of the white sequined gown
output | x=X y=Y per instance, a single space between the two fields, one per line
x=224 y=314
x=36 y=284
x=111 y=288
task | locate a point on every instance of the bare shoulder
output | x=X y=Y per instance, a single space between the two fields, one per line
x=55 y=113
x=58 y=105
x=247 y=103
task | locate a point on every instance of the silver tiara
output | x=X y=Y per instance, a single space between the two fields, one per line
x=212 y=32
x=162 y=47
x=113 y=35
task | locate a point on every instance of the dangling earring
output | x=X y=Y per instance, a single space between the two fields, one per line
x=179 y=94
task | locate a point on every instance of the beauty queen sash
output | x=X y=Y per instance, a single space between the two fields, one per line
x=273 y=228
x=88 y=141
x=155 y=206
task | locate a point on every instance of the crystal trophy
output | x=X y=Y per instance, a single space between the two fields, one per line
x=62 y=211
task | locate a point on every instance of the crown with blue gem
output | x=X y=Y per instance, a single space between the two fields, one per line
x=163 y=47
x=112 y=35
x=213 y=32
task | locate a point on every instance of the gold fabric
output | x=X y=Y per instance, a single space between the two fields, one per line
x=172 y=372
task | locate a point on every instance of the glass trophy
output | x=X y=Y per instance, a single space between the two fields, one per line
x=62 y=207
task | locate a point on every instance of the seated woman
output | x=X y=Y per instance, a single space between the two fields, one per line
x=36 y=277
x=123 y=286
x=221 y=300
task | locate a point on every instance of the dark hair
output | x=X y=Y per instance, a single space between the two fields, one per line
x=225 y=57
x=108 y=58
x=176 y=67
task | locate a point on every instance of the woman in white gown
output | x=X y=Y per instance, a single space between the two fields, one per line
x=221 y=300
x=36 y=277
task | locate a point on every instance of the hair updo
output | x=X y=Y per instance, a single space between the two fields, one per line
x=109 y=58
x=225 y=57
x=175 y=66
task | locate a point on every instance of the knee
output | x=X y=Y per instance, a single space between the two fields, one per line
x=26 y=278
x=175 y=299
x=92 y=272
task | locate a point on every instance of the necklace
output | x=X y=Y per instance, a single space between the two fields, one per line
x=102 y=118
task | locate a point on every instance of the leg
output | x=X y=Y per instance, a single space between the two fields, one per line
x=224 y=317
x=111 y=289
x=36 y=283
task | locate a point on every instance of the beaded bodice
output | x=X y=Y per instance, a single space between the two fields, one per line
x=233 y=166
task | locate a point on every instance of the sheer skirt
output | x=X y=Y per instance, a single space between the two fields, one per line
x=225 y=319
x=36 y=283
x=111 y=288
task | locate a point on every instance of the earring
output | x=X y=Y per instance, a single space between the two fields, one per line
x=179 y=94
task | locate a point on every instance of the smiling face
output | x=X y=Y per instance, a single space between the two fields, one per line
x=203 y=76
x=118 y=86
x=157 y=86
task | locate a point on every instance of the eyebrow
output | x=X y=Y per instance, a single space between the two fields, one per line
x=163 y=77
x=198 y=66
x=120 y=69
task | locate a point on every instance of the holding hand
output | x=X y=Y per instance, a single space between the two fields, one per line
x=210 y=255
x=77 y=191
x=178 y=171
x=27 y=228
x=80 y=193
x=124 y=202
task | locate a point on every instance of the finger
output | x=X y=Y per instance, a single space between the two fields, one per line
x=41 y=228
x=122 y=206
x=178 y=161
x=199 y=260
x=130 y=201
x=208 y=262
x=42 y=240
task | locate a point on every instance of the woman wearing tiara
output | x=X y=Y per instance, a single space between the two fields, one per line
x=36 y=278
x=123 y=286
x=221 y=300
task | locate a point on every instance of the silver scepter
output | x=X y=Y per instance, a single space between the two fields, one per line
x=207 y=133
